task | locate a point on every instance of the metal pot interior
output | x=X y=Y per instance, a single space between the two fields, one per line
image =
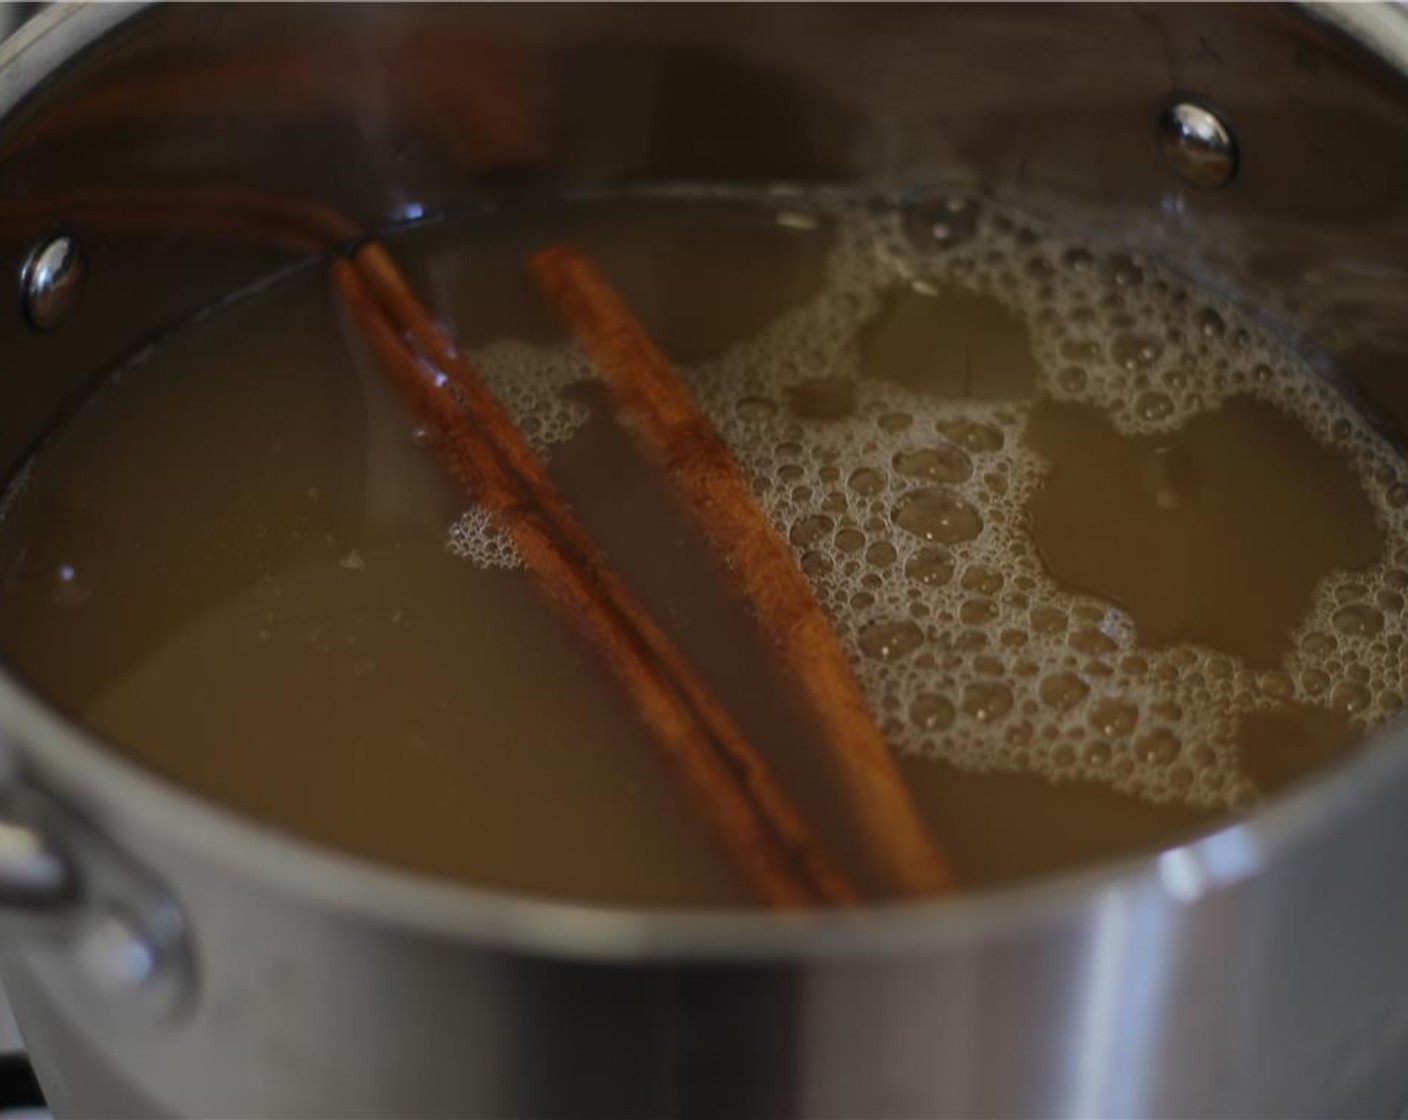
x=1058 y=106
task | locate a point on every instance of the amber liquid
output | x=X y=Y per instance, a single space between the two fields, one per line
x=234 y=561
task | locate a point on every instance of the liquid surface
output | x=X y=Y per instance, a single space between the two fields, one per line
x=1109 y=561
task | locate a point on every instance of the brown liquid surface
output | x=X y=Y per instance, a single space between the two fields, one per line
x=1202 y=534
x=233 y=564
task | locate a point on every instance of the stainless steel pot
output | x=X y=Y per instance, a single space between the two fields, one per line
x=165 y=956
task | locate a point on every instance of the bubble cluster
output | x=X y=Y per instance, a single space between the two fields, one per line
x=475 y=537
x=906 y=509
x=533 y=384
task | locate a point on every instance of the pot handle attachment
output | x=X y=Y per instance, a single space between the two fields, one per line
x=85 y=912
x=36 y=877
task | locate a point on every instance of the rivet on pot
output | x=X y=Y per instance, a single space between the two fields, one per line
x=1198 y=145
x=115 y=953
x=52 y=282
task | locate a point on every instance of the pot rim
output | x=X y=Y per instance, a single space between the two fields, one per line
x=104 y=783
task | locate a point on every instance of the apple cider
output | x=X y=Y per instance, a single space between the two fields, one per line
x=1109 y=558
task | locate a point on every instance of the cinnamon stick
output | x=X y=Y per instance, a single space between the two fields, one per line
x=679 y=437
x=759 y=827
x=762 y=831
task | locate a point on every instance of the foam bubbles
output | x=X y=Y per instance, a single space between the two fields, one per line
x=907 y=510
x=1015 y=672
x=475 y=537
x=533 y=384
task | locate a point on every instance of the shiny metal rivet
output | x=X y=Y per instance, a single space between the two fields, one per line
x=1198 y=145
x=52 y=282
x=115 y=953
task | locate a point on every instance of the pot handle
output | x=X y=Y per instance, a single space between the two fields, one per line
x=85 y=911
x=36 y=877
